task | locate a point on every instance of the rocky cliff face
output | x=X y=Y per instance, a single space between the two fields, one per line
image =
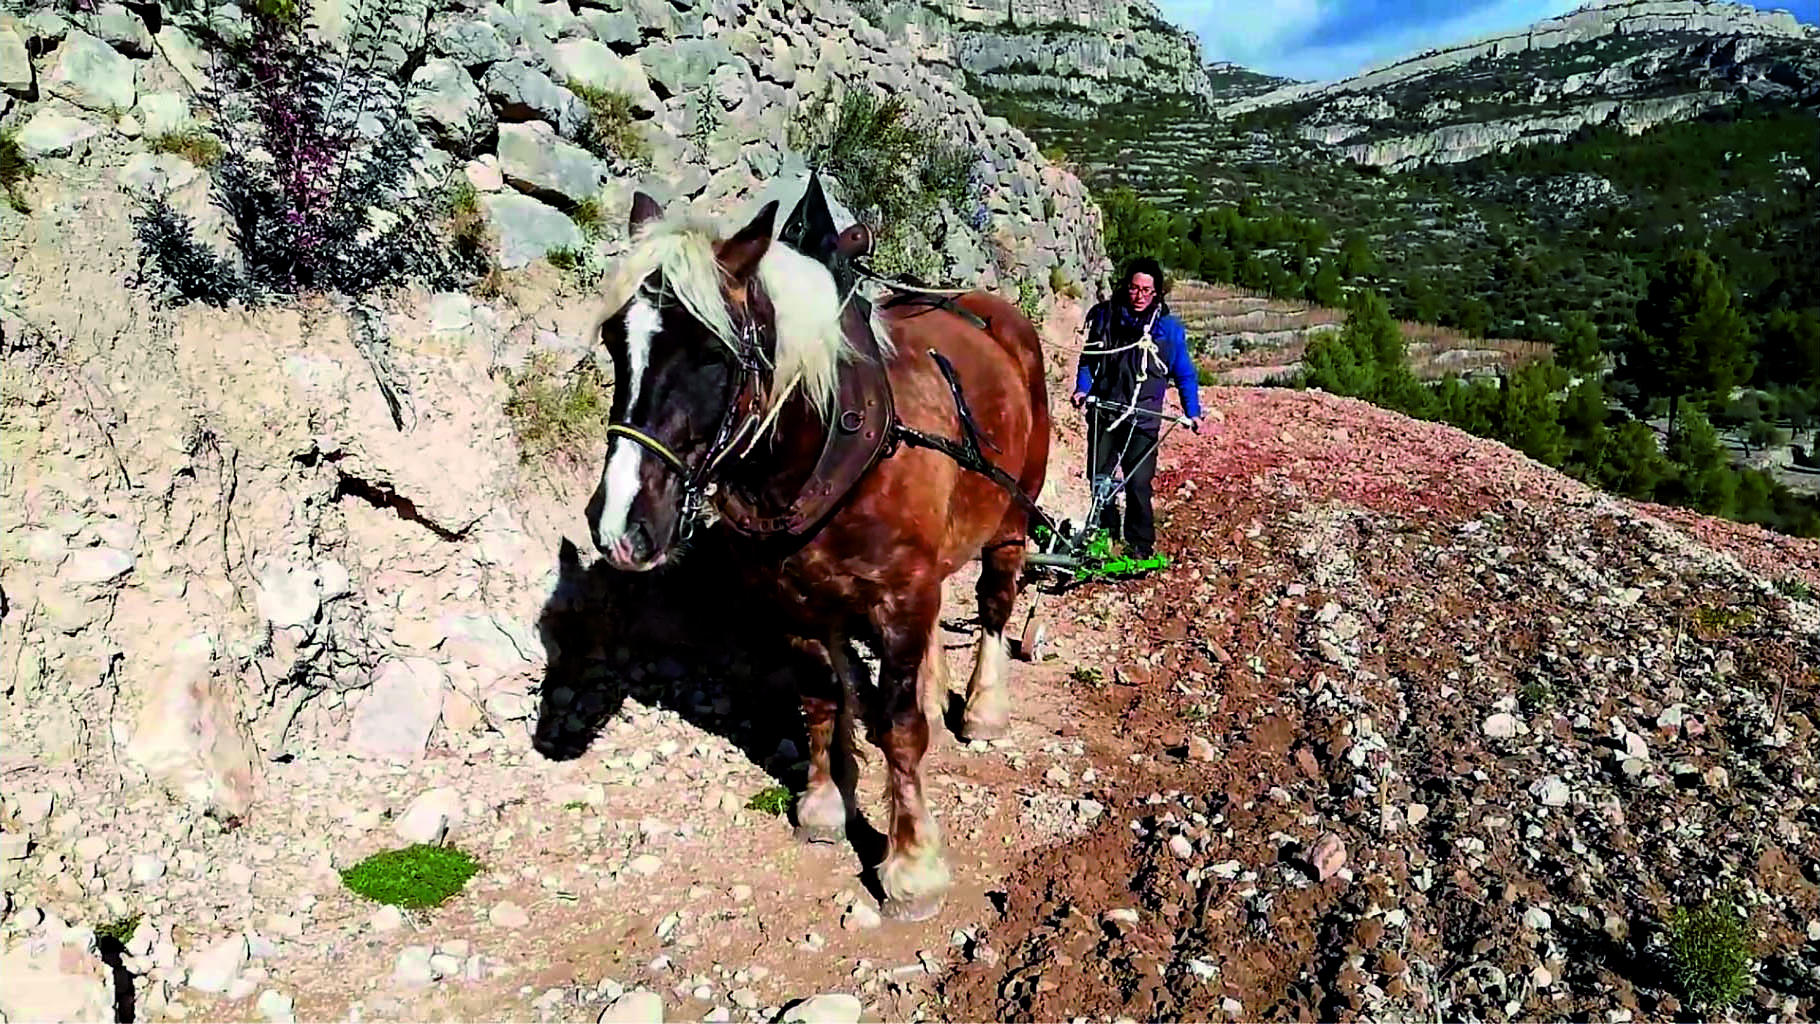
x=1634 y=64
x=1089 y=51
x=219 y=544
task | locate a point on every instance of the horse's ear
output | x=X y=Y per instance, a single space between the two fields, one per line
x=741 y=253
x=644 y=209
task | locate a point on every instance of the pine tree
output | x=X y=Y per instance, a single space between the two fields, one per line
x=1689 y=340
x=1632 y=463
x=1790 y=354
x=1705 y=479
x=1579 y=352
x=1583 y=415
x=1528 y=419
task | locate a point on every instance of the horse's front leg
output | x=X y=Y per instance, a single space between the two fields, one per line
x=914 y=874
x=822 y=809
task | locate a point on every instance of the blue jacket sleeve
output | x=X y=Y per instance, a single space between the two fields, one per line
x=1181 y=367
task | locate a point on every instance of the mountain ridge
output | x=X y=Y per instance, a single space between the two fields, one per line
x=1084 y=51
x=1593 y=20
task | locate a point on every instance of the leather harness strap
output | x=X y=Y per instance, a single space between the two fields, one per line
x=854 y=442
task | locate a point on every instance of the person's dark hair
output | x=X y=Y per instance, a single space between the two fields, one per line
x=1121 y=292
x=1143 y=265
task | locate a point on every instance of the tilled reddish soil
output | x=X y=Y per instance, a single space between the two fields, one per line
x=1522 y=719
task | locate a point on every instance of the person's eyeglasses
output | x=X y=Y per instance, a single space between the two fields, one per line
x=1142 y=289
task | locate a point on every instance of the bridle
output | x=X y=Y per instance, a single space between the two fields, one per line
x=737 y=421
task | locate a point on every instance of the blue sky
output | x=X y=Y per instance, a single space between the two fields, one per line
x=1327 y=39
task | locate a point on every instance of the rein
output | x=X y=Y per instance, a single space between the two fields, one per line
x=727 y=437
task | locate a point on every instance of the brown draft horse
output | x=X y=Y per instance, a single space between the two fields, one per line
x=729 y=358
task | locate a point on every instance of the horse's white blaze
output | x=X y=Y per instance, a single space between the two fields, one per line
x=620 y=480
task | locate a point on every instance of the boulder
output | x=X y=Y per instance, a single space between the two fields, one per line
x=539 y=164
x=445 y=101
x=522 y=93
x=593 y=64
x=527 y=229
x=91 y=74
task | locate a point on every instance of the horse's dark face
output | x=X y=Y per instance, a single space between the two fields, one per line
x=674 y=384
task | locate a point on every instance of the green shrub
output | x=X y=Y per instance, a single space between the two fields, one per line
x=891 y=171
x=610 y=129
x=554 y=413
x=772 y=800
x=414 y=877
x=1710 y=953
x=15 y=169
x=193 y=144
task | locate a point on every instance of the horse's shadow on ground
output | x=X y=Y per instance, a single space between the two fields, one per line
x=684 y=637
x=677 y=637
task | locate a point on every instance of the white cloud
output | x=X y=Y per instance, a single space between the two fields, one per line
x=1344 y=60
x=1249 y=32
x=1267 y=35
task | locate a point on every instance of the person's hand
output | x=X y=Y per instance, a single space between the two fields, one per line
x=1079 y=399
x=1197 y=424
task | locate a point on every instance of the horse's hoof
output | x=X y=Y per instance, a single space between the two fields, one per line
x=973 y=730
x=909 y=911
x=820 y=833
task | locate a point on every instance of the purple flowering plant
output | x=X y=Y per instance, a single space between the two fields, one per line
x=322 y=172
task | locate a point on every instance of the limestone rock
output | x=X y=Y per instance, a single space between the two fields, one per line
x=50 y=133
x=395 y=719
x=522 y=93
x=121 y=29
x=15 y=63
x=91 y=74
x=591 y=63
x=472 y=44
x=527 y=229
x=48 y=979
x=190 y=737
x=445 y=100
x=539 y=164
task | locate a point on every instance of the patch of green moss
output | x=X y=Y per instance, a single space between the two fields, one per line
x=414 y=877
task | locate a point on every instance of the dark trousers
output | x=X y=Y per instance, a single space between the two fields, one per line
x=1131 y=447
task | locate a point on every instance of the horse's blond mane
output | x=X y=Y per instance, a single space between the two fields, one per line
x=810 y=343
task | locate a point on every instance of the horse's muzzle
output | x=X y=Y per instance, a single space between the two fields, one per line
x=632 y=551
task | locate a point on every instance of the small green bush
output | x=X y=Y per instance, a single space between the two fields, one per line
x=589 y=217
x=1711 y=954
x=414 y=877
x=14 y=170
x=891 y=170
x=120 y=930
x=192 y=143
x=554 y=413
x=611 y=130
x=1029 y=302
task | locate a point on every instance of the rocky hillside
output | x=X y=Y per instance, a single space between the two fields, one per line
x=551 y=109
x=1070 y=54
x=265 y=554
x=1629 y=63
x=1245 y=338
x=1501 y=184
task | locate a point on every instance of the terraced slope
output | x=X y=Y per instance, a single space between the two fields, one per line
x=1241 y=337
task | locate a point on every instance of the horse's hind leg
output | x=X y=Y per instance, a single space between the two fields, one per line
x=988 y=713
x=822 y=809
x=914 y=874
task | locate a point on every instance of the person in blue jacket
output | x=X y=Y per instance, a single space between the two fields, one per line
x=1135 y=349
